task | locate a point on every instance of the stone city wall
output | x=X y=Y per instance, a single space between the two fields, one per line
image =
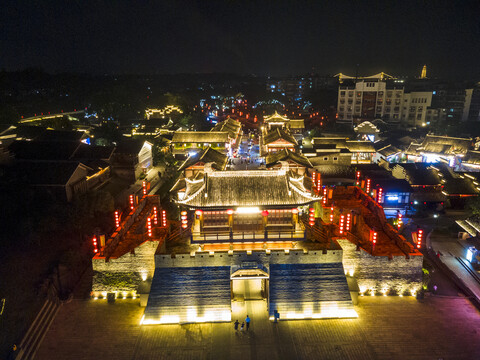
x=379 y=274
x=126 y=272
x=202 y=259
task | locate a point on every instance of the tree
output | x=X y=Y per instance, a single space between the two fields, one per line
x=473 y=205
x=106 y=134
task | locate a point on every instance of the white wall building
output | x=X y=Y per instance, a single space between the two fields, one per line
x=375 y=98
x=414 y=108
x=369 y=99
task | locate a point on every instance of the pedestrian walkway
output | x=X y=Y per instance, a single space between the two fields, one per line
x=451 y=254
x=387 y=328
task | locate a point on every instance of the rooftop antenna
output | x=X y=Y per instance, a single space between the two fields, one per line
x=356 y=73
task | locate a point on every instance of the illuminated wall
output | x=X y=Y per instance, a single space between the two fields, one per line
x=378 y=274
x=237 y=257
x=126 y=272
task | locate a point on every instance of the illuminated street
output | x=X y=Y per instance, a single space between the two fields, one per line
x=387 y=328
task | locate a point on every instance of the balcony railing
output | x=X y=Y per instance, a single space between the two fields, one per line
x=247 y=236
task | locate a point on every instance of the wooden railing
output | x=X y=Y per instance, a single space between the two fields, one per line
x=246 y=236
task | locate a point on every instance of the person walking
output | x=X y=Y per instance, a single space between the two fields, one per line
x=241 y=327
x=247 y=320
x=236 y=325
x=276 y=316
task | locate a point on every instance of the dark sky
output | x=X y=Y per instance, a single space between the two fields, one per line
x=269 y=37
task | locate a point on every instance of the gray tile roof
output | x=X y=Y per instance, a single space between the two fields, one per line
x=445 y=145
x=246 y=188
x=200 y=137
x=472 y=158
x=208 y=155
x=286 y=155
x=277 y=134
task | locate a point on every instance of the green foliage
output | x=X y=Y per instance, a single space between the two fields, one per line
x=158 y=150
x=118 y=281
x=106 y=134
x=426 y=278
x=473 y=205
x=58 y=123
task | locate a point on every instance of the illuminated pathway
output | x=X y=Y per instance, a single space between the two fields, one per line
x=387 y=328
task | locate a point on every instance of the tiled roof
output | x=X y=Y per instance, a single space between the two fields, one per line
x=420 y=174
x=472 y=158
x=27 y=132
x=209 y=155
x=412 y=149
x=275 y=118
x=285 y=155
x=200 y=137
x=445 y=145
x=388 y=150
x=277 y=134
x=339 y=142
x=93 y=152
x=336 y=171
x=130 y=146
x=43 y=150
x=297 y=124
x=61 y=135
x=47 y=172
x=229 y=125
x=247 y=188
x=360 y=146
x=367 y=127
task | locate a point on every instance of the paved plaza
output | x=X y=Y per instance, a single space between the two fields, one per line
x=387 y=328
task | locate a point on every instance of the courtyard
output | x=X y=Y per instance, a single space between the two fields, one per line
x=387 y=328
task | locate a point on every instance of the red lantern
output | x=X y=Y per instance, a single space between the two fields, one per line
x=419 y=238
x=379 y=195
x=164 y=218
x=149 y=227
x=132 y=204
x=117 y=219
x=95 y=244
x=342 y=223
x=155 y=216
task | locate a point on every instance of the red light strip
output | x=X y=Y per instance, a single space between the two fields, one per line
x=95 y=244
x=342 y=223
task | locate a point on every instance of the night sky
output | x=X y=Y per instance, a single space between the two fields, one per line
x=264 y=38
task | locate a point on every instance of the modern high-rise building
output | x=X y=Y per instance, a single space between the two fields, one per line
x=417 y=103
x=471 y=110
x=369 y=99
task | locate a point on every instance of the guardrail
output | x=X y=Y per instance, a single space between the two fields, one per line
x=221 y=237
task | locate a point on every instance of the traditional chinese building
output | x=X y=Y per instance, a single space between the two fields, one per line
x=278 y=139
x=248 y=243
